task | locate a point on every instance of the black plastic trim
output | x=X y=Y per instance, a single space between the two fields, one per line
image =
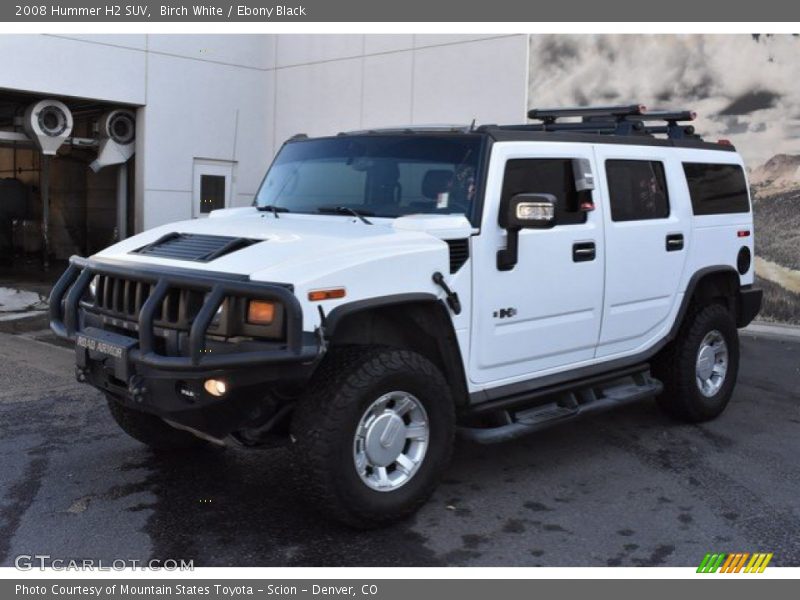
x=194 y=247
x=749 y=305
x=459 y=253
x=343 y=310
x=525 y=397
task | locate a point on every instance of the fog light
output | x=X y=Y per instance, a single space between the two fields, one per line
x=215 y=387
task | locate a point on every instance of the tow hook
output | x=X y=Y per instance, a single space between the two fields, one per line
x=81 y=374
x=452 y=298
x=136 y=389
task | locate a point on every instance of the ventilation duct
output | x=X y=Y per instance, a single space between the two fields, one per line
x=117 y=133
x=48 y=123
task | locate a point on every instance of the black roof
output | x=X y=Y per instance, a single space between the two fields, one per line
x=512 y=133
x=524 y=133
x=629 y=124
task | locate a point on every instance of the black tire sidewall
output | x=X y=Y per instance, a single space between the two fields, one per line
x=324 y=425
x=436 y=456
x=699 y=406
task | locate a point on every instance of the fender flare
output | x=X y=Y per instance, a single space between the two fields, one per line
x=337 y=315
x=688 y=294
x=445 y=339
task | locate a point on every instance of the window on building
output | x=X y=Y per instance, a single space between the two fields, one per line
x=716 y=189
x=212 y=193
x=637 y=190
x=546 y=176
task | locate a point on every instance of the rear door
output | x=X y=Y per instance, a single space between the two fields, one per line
x=647 y=235
x=544 y=314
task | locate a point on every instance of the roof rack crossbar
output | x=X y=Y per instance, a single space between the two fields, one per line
x=551 y=114
x=667 y=115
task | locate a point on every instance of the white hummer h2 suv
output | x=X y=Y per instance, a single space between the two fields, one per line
x=391 y=288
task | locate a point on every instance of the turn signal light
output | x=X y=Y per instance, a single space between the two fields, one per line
x=260 y=312
x=330 y=294
x=215 y=387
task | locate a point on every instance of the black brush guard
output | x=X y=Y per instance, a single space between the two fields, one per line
x=70 y=288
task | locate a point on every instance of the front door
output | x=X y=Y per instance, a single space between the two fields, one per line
x=544 y=314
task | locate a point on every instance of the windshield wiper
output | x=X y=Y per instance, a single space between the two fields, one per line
x=346 y=210
x=273 y=209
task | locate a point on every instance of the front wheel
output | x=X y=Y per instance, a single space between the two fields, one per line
x=373 y=434
x=700 y=366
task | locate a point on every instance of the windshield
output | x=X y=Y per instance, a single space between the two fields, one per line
x=373 y=175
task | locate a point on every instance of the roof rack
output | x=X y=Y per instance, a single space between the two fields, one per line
x=628 y=119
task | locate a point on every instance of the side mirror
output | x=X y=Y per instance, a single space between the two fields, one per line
x=523 y=211
x=529 y=211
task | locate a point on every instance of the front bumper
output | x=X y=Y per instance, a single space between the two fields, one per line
x=127 y=363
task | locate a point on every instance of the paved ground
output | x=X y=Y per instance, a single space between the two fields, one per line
x=626 y=488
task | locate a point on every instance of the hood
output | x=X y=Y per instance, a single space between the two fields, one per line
x=297 y=248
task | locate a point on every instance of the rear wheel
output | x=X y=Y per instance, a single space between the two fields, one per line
x=373 y=434
x=151 y=430
x=700 y=366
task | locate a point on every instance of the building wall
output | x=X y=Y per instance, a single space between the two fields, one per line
x=207 y=97
x=329 y=83
x=236 y=98
x=101 y=67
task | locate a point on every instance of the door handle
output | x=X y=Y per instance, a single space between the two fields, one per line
x=583 y=251
x=674 y=242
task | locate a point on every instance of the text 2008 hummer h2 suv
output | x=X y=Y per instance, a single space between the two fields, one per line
x=390 y=288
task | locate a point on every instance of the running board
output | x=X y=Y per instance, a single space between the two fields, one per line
x=566 y=407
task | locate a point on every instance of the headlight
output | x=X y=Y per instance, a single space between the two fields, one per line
x=215 y=320
x=260 y=312
x=93 y=288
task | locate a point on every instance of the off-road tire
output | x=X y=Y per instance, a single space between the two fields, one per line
x=349 y=380
x=675 y=365
x=150 y=430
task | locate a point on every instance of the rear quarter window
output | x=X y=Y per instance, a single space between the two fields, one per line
x=638 y=190
x=717 y=189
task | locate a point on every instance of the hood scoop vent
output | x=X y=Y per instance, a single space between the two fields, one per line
x=194 y=247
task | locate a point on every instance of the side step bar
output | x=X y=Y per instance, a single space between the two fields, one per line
x=566 y=407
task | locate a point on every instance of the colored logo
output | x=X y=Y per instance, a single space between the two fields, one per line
x=739 y=562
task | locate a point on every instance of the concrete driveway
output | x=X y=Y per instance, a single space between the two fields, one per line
x=625 y=488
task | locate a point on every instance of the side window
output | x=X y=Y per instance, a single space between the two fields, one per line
x=716 y=189
x=546 y=176
x=637 y=190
